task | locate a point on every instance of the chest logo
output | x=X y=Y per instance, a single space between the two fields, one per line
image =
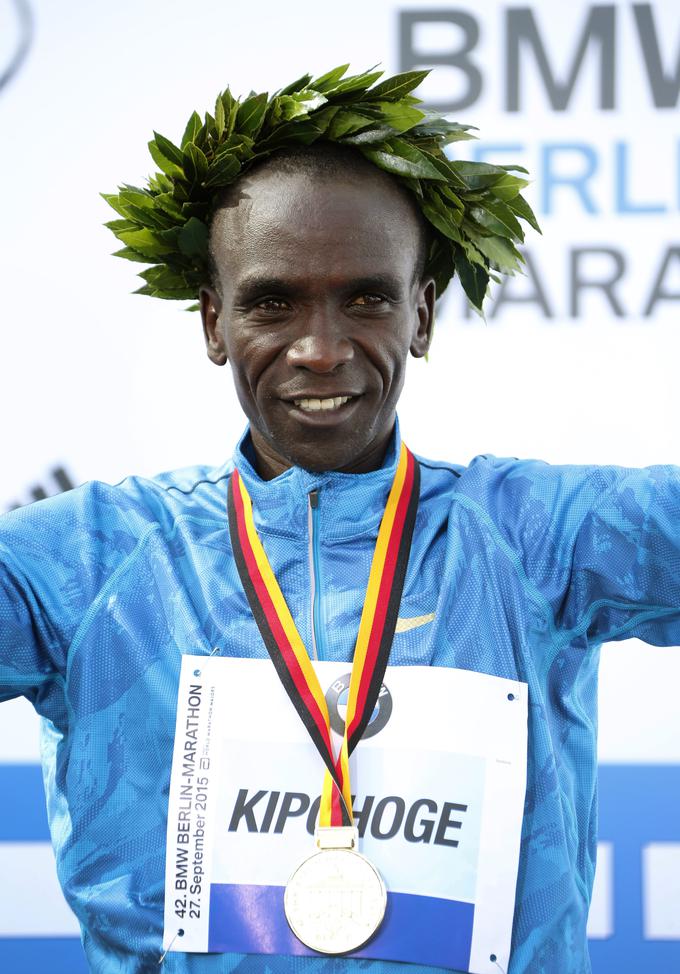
x=405 y=625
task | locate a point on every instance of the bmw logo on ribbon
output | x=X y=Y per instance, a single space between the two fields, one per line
x=336 y=698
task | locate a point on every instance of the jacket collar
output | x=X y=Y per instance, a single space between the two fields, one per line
x=351 y=503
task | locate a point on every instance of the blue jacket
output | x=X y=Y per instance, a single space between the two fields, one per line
x=527 y=568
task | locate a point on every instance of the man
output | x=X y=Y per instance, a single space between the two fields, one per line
x=321 y=288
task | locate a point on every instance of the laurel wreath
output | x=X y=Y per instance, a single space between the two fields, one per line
x=474 y=208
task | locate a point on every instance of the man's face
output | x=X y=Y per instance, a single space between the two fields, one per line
x=317 y=312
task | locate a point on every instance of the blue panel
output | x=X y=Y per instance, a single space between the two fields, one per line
x=251 y=919
x=23 y=819
x=53 y=956
x=22 y=816
x=638 y=804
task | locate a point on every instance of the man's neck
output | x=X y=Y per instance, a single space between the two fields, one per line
x=269 y=463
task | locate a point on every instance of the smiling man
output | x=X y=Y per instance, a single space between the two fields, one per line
x=319 y=297
x=440 y=622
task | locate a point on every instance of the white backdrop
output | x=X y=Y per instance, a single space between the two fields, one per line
x=101 y=383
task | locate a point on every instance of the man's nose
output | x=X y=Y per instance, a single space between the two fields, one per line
x=321 y=347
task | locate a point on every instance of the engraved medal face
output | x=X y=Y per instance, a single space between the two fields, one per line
x=335 y=901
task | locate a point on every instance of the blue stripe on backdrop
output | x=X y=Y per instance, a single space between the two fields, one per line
x=62 y=955
x=22 y=817
x=638 y=805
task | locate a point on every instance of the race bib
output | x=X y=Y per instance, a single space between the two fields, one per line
x=438 y=781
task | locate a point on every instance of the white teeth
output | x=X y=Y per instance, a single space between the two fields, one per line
x=314 y=405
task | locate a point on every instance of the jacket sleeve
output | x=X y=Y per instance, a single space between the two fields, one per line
x=625 y=572
x=55 y=556
x=599 y=545
x=30 y=652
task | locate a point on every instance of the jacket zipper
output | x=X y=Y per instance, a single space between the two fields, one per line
x=318 y=640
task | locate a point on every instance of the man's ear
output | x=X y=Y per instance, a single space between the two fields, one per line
x=211 y=308
x=422 y=336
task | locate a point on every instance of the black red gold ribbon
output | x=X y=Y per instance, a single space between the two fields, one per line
x=374 y=639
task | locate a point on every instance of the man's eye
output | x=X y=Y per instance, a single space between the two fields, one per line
x=272 y=305
x=369 y=300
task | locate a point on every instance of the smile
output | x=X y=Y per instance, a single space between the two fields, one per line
x=318 y=405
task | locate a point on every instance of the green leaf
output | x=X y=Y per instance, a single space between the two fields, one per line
x=370 y=136
x=155 y=219
x=145 y=242
x=138 y=197
x=400 y=117
x=297 y=85
x=347 y=122
x=251 y=114
x=220 y=117
x=117 y=225
x=163 y=163
x=508 y=187
x=194 y=208
x=192 y=128
x=195 y=163
x=452 y=198
x=515 y=168
x=445 y=132
x=326 y=81
x=129 y=254
x=477 y=175
x=473 y=278
x=240 y=146
x=440 y=265
x=498 y=218
x=414 y=185
x=443 y=222
x=169 y=204
x=193 y=239
x=403 y=159
x=176 y=294
x=323 y=118
x=501 y=253
x=354 y=84
x=160 y=183
x=399 y=85
x=223 y=171
x=302 y=103
x=168 y=150
x=164 y=278
x=521 y=208
x=472 y=253
x=304 y=132
x=115 y=202
x=445 y=167
x=170 y=239
x=230 y=107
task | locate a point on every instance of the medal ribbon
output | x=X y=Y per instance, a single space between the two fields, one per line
x=374 y=640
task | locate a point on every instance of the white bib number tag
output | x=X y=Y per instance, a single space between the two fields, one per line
x=439 y=781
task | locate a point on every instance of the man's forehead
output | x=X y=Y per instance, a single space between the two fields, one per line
x=278 y=201
x=366 y=226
